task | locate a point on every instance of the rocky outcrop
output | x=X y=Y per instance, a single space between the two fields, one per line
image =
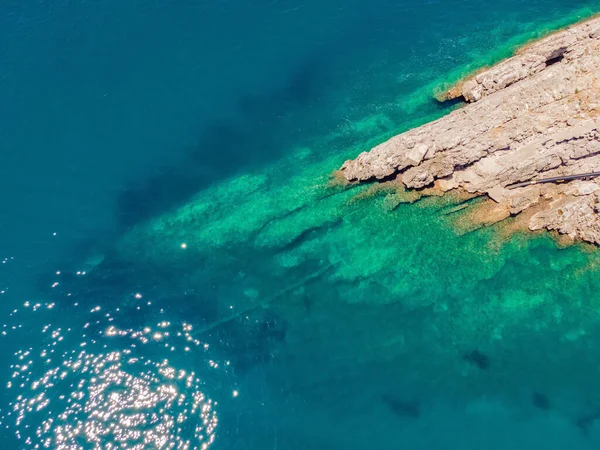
x=533 y=116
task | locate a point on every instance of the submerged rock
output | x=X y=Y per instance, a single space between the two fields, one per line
x=477 y=359
x=402 y=408
x=533 y=116
x=540 y=401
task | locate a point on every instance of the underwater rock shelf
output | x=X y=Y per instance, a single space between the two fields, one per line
x=530 y=117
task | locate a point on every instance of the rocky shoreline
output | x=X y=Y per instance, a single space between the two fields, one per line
x=533 y=116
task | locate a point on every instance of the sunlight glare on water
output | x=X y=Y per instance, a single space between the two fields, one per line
x=114 y=390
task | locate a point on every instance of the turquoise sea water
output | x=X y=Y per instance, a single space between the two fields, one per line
x=178 y=272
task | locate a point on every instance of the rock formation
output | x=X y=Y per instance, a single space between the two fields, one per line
x=533 y=116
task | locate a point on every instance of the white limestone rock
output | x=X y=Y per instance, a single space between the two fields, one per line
x=532 y=116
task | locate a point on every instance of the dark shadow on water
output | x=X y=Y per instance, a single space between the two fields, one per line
x=540 y=401
x=402 y=408
x=448 y=105
x=259 y=130
x=586 y=421
x=477 y=359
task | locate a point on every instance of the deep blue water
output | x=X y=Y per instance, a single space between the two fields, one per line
x=112 y=113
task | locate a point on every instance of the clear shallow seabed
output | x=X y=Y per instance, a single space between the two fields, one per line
x=206 y=287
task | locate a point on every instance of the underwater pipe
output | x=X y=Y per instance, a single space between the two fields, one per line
x=264 y=303
x=555 y=180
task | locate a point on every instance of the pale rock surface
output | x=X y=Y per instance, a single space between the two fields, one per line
x=535 y=115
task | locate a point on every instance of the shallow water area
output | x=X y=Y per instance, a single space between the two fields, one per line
x=208 y=286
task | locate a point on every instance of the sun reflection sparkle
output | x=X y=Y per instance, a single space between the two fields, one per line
x=81 y=391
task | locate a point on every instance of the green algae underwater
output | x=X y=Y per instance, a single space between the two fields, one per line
x=384 y=293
